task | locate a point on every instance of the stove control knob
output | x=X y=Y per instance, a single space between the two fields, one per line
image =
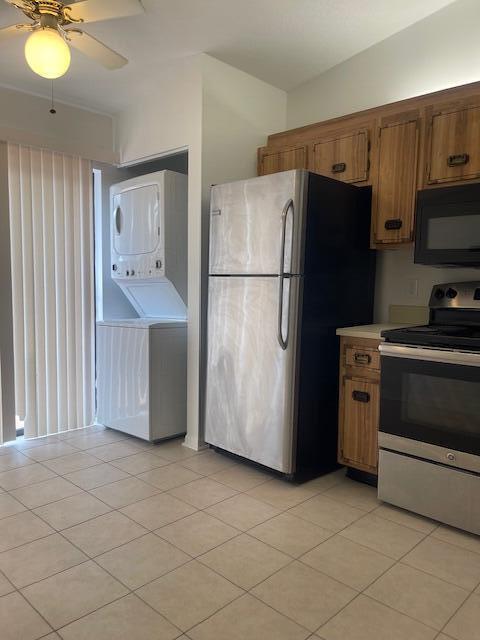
x=451 y=293
x=439 y=294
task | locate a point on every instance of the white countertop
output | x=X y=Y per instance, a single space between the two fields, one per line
x=372 y=331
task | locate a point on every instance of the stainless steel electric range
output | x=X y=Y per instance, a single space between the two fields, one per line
x=429 y=438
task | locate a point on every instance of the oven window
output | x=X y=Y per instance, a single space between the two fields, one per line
x=443 y=403
x=453 y=233
x=432 y=402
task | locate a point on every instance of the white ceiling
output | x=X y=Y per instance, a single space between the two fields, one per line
x=284 y=42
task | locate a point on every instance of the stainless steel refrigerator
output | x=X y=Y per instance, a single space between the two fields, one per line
x=289 y=263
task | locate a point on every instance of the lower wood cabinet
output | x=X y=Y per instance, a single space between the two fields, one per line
x=359 y=403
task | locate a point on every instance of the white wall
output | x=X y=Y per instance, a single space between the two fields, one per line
x=26 y=119
x=395 y=273
x=220 y=115
x=166 y=119
x=439 y=52
x=239 y=112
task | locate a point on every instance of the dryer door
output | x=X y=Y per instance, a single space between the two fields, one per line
x=136 y=224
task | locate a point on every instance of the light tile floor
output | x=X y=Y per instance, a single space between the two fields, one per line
x=106 y=537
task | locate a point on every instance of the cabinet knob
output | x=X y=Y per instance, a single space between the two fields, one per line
x=361 y=396
x=393 y=224
x=339 y=167
x=458 y=159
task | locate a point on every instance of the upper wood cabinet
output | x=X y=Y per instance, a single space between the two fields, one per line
x=454 y=137
x=343 y=157
x=398 y=149
x=283 y=159
x=393 y=206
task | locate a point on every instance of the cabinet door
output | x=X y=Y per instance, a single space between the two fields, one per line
x=343 y=158
x=272 y=160
x=359 y=442
x=394 y=196
x=454 y=145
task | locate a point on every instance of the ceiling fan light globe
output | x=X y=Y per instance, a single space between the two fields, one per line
x=47 y=53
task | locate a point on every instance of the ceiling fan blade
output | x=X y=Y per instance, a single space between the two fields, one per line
x=22 y=4
x=95 y=49
x=11 y=32
x=96 y=10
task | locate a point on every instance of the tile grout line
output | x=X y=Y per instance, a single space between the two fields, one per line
x=281 y=511
x=93 y=560
x=456 y=611
x=399 y=561
x=362 y=592
x=293 y=559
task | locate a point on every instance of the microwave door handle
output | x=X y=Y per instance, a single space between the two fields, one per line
x=283 y=341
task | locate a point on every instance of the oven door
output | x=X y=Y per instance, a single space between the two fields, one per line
x=431 y=398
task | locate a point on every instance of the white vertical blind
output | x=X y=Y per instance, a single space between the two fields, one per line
x=51 y=231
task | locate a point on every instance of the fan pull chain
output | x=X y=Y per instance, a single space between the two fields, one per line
x=53 y=111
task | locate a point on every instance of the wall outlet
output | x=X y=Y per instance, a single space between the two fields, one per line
x=412 y=287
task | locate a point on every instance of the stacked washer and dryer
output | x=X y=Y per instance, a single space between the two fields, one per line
x=142 y=362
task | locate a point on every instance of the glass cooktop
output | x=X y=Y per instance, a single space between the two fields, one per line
x=453 y=336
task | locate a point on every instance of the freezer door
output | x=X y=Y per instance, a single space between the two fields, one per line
x=251 y=368
x=249 y=219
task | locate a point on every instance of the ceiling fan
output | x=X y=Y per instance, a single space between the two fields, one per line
x=55 y=26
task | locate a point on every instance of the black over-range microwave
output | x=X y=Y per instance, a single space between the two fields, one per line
x=448 y=226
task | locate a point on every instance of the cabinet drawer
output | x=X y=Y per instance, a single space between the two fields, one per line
x=455 y=145
x=361 y=357
x=359 y=443
x=343 y=158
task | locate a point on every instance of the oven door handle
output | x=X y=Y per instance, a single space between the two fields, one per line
x=444 y=356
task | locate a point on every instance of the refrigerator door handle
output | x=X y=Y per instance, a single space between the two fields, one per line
x=283 y=341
